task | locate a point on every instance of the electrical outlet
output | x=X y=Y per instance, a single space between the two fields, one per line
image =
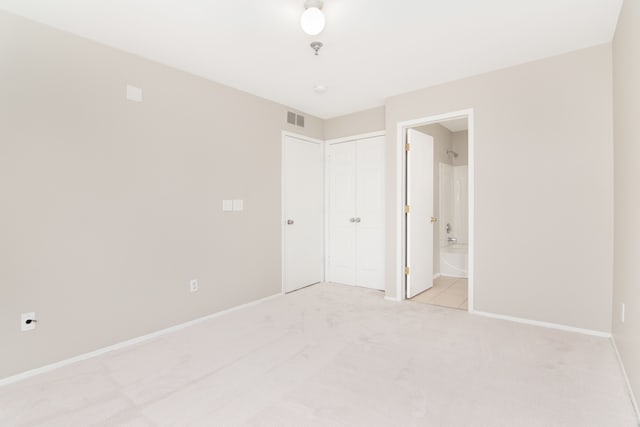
x=27 y=321
x=622 y=313
x=193 y=285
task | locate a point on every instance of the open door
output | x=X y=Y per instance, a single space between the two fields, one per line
x=302 y=185
x=420 y=219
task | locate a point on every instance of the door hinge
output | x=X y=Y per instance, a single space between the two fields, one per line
x=407 y=209
x=407 y=270
x=407 y=147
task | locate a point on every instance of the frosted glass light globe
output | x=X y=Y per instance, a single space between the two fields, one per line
x=312 y=21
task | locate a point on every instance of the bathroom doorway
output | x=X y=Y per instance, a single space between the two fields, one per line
x=437 y=221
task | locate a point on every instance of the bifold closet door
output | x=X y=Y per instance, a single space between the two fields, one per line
x=356 y=212
x=370 y=185
x=341 y=160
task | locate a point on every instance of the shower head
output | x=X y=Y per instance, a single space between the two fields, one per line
x=452 y=152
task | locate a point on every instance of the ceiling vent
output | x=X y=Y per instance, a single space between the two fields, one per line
x=295 y=119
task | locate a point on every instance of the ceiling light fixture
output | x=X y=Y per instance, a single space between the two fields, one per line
x=312 y=20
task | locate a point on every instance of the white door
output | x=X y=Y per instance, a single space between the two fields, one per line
x=302 y=185
x=419 y=219
x=370 y=183
x=341 y=162
x=356 y=185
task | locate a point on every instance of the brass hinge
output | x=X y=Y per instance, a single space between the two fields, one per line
x=407 y=270
x=407 y=209
x=407 y=147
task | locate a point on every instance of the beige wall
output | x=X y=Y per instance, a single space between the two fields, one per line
x=626 y=285
x=460 y=144
x=110 y=207
x=355 y=124
x=543 y=185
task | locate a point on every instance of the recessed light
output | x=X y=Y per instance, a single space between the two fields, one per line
x=320 y=89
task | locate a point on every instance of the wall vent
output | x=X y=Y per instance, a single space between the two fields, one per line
x=295 y=119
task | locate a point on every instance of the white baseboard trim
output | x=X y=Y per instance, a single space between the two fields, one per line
x=543 y=324
x=435 y=276
x=634 y=402
x=53 y=366
x=394 y=299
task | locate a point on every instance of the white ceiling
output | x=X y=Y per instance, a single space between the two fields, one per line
x=455 y=125
x=373 y=48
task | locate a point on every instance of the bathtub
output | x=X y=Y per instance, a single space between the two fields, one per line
x=454 y=260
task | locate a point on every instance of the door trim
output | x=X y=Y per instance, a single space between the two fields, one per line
x=283 y=218
x=400 y=197
x=325 y=169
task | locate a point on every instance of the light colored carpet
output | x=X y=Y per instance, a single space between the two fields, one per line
x=332 y=355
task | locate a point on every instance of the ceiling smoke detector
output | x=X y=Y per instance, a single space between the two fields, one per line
x=320 y=89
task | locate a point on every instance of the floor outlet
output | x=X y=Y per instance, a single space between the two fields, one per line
x=193 y=285
x=28 y=321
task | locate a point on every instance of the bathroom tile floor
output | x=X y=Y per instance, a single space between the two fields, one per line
x=446 y=292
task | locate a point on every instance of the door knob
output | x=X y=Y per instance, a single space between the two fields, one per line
x=434 y=220
x=352 y=220
x=290 y=222
x=357 y=219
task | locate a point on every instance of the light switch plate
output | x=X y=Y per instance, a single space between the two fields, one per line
x=227 y=205
x=134 y=93
x=238 y=205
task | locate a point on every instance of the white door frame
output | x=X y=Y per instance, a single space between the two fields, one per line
x=283 y=218
x=328 y=142
x=400 y=196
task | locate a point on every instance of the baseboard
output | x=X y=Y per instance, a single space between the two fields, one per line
x=543 y=324
x=634 y=402
x=394 y=299
x=53 y=366
x=435 y=276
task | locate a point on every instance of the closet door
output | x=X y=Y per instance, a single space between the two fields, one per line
x=370 y=187
x=341 y=168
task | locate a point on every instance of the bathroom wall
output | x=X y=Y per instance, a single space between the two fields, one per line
x=454 y=206
x=460 y=144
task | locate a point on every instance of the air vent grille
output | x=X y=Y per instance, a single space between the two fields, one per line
x=295 y=119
